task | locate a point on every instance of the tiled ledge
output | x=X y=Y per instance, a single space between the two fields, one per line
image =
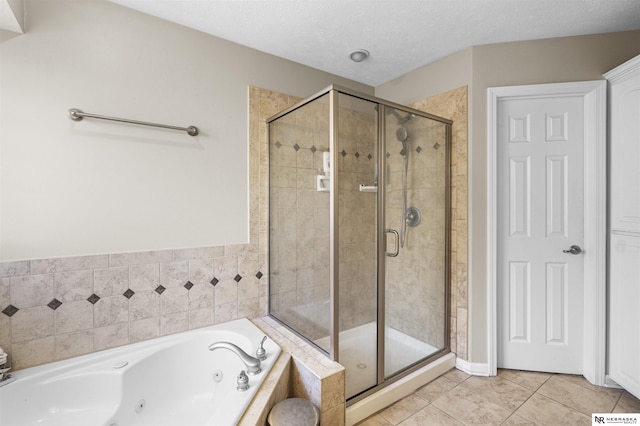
x=274 y=389
x=314 y=376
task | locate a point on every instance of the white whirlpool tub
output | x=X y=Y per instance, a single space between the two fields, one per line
x=173 y=380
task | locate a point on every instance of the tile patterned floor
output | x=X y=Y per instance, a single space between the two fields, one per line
x=511 y=398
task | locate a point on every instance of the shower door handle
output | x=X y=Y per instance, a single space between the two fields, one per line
x=397 y=245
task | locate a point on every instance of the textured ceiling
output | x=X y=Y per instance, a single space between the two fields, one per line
x=401 y=35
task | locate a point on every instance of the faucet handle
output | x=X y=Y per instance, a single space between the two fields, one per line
x=261 y=354
x=243 y=381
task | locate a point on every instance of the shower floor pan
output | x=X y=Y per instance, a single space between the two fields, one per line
x=358 y=354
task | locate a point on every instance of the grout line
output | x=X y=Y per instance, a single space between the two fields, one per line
x=519 y=384
x=563 y=404
x=617 y=401
x=520 y=406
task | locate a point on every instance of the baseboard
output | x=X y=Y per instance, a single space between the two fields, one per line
x=473 y=368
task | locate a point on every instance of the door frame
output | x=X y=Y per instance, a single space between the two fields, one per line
x=594 y=94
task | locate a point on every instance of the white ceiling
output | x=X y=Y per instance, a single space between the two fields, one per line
x=401 y=35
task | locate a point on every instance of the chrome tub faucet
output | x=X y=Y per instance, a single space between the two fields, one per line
x=253 y=364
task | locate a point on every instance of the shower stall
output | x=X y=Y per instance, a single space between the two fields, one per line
x=359 y=233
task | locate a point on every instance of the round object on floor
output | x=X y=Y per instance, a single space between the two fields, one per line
x=294 y=411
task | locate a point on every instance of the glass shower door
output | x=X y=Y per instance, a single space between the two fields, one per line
x=356 y=148
x=416 y=254
x=299 y=290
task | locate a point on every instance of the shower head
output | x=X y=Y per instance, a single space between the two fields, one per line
x=397 y=115
x=406 y=118
x=402 y=134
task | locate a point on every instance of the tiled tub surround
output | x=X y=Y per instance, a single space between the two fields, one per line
x=58 y=308
x=313 y=376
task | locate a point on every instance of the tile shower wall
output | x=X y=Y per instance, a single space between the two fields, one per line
x=454 y=106
x=300 y=219
x=357 y=158
x=352 y=164
x=415 y=279
x=299 y=238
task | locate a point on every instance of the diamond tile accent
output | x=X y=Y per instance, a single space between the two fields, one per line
x=388 y=155
x=237 y=278
x=436 y=146
x=402 y=152
x=93 y=299
x=278 y=144
x=10 y=310
x=369 y=156
x=54 y=304
x=160 y=289
x=128 y=293
x=343 y=153
x=313 y=149
x=214 y=281
x=357 y=154
x=188 y=285
x=419 y=149
x=259 y=275
x=296 y=147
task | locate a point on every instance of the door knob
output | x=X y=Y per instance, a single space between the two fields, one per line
x=573 y=250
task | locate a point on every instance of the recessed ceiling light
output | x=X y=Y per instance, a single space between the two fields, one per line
x=359 y=55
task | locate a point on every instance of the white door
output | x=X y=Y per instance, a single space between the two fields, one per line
x=624 y=337
x=624 y=256
x=540 y=217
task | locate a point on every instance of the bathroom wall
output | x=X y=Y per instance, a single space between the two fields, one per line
x=56 y=308
x=60 y=306
x=480 y=67
x=441 y=76
x=93 y=187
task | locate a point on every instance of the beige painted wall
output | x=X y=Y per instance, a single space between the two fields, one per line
x=70 y=188
x=528 y=62
x=449 y=73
